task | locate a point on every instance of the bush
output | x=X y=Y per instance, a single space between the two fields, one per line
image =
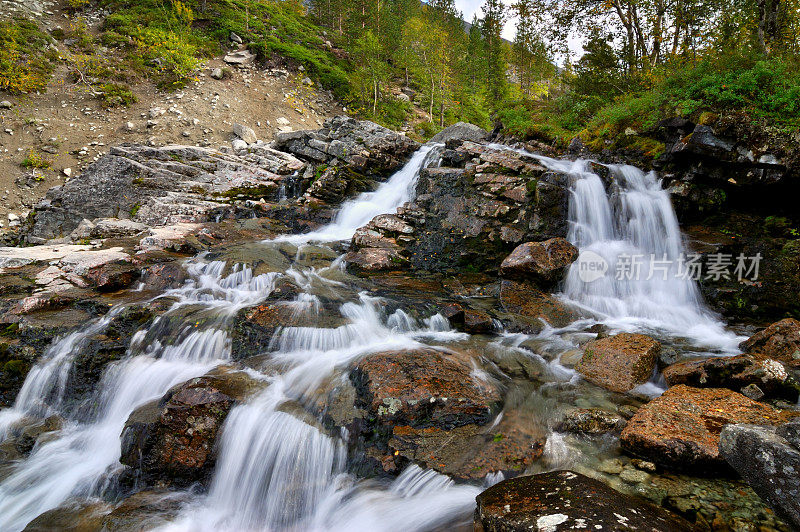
x=25 y=62
x=116 y=95
x=36 y=160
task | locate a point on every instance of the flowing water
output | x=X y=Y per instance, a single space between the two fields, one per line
x=276 y=471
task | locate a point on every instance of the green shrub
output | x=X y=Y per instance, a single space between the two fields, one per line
x=36 y=160
x=116 y=95
x=25 y=62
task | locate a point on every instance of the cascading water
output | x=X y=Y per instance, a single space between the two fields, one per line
x=280 y=471
x=88 y=449
x=386 y=199
x=632 y=233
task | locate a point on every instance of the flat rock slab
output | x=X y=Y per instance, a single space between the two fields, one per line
x=12 y=257
x=423 y=388
x=619 y=363
x=735 y=373
x=563 y=500
x=681 y=429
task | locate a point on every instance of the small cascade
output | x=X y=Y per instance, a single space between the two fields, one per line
x=43 y=390
x=83 y=458
x=390 y=195
x=631 y=236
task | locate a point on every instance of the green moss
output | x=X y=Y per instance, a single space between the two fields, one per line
x=135 y=209
x=15 y=367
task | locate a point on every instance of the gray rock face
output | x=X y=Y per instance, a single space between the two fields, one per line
x=769 y=460
x=461 y=131
x=158 y=186
x=477 y=214
x=364 y=146
x=563 y=500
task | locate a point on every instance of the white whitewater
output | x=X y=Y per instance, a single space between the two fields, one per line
x=390 y=195
x=277 y=468
x=633 y=222
x=87 y=451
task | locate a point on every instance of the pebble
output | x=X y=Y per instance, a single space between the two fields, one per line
x=633 y=476
x=67 y=172
x=5 y=104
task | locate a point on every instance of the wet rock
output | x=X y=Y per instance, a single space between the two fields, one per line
x=471 y=452
x=375 y=260
x=74 y=516
x=165 y=276
x=146 y=510
x=363 y=146
x=541 y=262
x=477 y=322
x=254 y=328
x=473 y=217
x=563 y=500
x=780 y=341
x=336 y=183
x=681 y=429
x=527 y=306
x=173 y=440
x=461 y=131
x=621 y=362
x=422 y=388
x=591 y=421
x=769 y=462
x=764 y=377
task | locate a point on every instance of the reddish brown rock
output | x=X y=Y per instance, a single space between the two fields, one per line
x=376 y=260
x=621 y=362
x=174 y=439
x=780 y=341
x=422 y=388
x=477 y=322
x=563 y=500
x=681 y=429
x=471 y=452
x=527 y=306
x=735 y=373
x=542 y=262
x=113 y=276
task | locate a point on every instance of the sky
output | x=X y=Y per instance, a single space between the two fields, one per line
x=470 y=7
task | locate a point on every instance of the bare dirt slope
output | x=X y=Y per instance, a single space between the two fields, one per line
x=71 y=129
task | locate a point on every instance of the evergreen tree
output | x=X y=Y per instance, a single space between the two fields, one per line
x=494 y=16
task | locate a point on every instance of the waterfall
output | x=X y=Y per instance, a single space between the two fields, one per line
x=631 y=236
x=278 y=469
x=390 y=195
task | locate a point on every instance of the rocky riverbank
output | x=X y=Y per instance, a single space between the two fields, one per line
x=441 y=342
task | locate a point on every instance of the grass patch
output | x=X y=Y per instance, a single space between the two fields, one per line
x=116 y=95
x=26 y=62
x=36 y=160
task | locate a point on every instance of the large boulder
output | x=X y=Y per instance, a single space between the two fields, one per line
x=173 y=440
x=748 y=374
x=473 y=213
x=423 y=388
x=563 y=500
x=542 y=262
x=156 y=186
x=527 y=307
x=461 y=131
x=768 y=458
x=681 y=429
x=780 y=341
x=620 y=362
x=365 y=147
